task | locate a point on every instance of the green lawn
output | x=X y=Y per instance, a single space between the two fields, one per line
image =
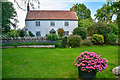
x=52 y=63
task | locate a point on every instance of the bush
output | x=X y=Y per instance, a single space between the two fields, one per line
x=22 y=33
x=32 y=43
x=80 y=31
x=64 y=41
x=60 y=43
x=52 y=37
x=88 y=43
x=31 y=34
x=111 y=38
x=74 y=41
x=97 y=39
x=12 y=34
x=60 y=32
x=114 y=28
x=99 y=28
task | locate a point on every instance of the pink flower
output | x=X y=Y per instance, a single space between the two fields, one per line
x=83 y=64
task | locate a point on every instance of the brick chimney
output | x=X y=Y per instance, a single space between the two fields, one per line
x=73 y=9
x=28 y=7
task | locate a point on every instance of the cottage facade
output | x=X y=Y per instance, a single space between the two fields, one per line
x=42 y=22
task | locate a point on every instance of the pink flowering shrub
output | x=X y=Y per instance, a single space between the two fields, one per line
x=90 y=61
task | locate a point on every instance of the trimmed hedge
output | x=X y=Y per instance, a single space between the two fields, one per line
x=97 y=39
x=74 y=41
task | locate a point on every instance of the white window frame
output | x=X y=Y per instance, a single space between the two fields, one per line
x=37 y=23
x=65 y=23
x=52 y=24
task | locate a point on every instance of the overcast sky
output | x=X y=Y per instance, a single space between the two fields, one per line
x=93 y=5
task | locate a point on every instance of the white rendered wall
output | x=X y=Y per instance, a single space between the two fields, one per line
x=45 y=27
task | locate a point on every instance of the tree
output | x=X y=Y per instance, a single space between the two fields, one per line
x=32 y=3
x=107 y=11
x=82 y=11
x=85 y=23
x=8 y=16
x=60 y=32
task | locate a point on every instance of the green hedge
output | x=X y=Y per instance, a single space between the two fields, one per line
x=74 y=41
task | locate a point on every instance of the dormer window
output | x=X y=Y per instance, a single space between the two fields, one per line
x=52 y=23
x=66 y=23
x=37 y=23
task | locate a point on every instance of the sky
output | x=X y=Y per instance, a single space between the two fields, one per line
x=93 y=5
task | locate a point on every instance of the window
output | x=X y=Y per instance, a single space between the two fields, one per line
x=66 y=33
x=38 y=33
x=52 y=23
x=37 y=23
x=66 y=23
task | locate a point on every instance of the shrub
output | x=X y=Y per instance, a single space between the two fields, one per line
x=99 y=28
x=74 y=41
x=90 y=62
x=22 y=33
x=31 y=34
x=52 y=37
x=111 y=38
x=60 y=43
x=97 y=39
x=60 y=32
x=64 y=41
x=88 y=43
x=114 y=28
x=12 y=34
x=80 y=31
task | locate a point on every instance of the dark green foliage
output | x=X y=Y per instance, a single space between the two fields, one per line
x=81 y=31
x=31 y=34
x=97 y=39
x=64 y=41
x=8 y=14
x=74 y=41
x=111 y=38
x=114 y=28
x=22 y=33
x=52 y=37
x=60 y=43
x=31 y=43
x=99 y=28
x=82 y=11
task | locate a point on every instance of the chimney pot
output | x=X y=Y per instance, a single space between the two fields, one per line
x=73 y=9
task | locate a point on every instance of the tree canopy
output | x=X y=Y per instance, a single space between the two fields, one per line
x=82 y=11
x=105 y=14
x=8 y=16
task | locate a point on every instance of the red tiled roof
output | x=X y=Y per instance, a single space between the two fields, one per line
x=51 y=15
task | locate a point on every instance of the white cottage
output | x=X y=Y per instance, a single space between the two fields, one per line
x=42 y=22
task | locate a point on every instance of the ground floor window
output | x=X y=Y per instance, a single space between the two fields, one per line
x=38 y=33
x=66 y=33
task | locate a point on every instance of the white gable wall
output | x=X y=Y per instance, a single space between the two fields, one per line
x=45 y=27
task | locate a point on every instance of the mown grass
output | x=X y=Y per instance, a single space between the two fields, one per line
x=52 y=63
